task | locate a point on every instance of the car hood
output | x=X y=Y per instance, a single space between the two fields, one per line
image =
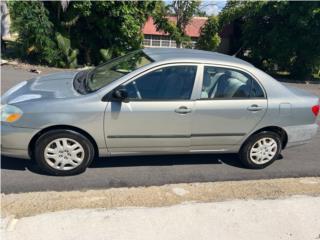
x=52 y=86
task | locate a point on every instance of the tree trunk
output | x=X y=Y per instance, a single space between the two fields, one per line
x=87 y=55
x=5 y=20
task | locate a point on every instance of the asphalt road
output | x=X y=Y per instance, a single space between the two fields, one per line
x=18 y=175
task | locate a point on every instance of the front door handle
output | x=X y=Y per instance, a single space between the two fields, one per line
x=255 y=108
x=183 y=110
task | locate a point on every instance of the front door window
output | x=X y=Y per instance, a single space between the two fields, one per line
x=168 y=83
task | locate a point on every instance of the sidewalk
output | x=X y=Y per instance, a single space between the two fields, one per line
x=257 y=209
x=291 y=218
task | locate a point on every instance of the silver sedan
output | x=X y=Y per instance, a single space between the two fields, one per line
x=155 y=101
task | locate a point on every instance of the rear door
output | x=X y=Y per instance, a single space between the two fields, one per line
x=156 y=116
x=230 y=104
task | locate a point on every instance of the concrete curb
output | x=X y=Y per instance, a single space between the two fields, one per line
x=29 y=204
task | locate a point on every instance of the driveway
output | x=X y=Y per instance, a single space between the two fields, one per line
x=19 y=175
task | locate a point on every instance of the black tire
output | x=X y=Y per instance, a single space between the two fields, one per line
x=50 y=136
x=247 y=146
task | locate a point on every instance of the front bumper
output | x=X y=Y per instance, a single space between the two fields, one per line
x=15 y=140
x=301 y=134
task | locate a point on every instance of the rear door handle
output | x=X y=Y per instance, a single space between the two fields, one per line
x=183 y=110
x=255 y=108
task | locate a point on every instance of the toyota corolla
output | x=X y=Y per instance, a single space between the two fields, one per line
x=155 y=101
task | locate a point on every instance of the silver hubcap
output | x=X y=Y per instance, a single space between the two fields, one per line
x=64 y=154
x=263 y=150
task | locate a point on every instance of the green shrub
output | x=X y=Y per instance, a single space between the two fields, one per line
x=81 y=33
x=30 y=20
x=282 y=35
x=209 y=38
x=105 y=54
x=68 y=56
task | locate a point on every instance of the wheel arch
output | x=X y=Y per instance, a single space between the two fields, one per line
x=62 y=127
x=280 y=131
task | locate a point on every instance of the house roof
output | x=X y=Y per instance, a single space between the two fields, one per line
x=193 y=29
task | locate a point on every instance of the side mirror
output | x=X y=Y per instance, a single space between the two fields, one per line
x=120 y=94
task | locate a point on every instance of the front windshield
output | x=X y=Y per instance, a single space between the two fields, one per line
x=116 y=68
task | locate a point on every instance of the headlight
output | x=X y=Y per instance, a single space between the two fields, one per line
x=10 y=113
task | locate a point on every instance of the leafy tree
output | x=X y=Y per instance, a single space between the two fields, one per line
x=209 y=38
x=76 y=32
x=94 y=25
x=105 y=54
x=31 y=21
x=183 y=10
x=284 y=34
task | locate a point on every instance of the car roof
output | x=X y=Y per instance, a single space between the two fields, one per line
x=182 y=54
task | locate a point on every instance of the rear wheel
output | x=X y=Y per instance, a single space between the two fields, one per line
x=260 y=150
x=63 y=152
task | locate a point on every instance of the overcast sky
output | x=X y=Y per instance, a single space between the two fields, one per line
x=212 y=7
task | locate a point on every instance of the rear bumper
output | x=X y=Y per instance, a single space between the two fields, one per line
x=15 y=141
x=300 y=134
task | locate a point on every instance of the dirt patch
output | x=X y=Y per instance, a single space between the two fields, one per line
x=29 y=204
x=16 y=64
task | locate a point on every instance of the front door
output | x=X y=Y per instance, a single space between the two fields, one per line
x=156 y=116
x=231 y=104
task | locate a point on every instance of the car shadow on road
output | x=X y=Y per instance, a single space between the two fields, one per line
x=167 y=160
x=163 y=160
x=17 y=164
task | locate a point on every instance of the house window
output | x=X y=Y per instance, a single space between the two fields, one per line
x=173 y=44
x=165 y=41
x=158 y=41
x=147 y=40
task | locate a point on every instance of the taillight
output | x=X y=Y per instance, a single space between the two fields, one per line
x=315 y=109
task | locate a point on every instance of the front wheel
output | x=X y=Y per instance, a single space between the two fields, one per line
x=63 y=152
x=260 y=150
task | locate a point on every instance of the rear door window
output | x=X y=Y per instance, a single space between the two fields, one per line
x=224 y=83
